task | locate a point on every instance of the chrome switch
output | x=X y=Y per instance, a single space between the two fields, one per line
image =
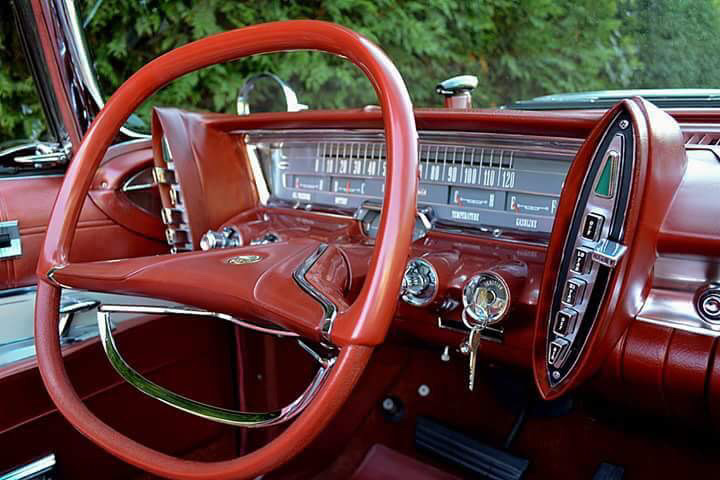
x=420 y=283
x=226 y=238
x=608 y=253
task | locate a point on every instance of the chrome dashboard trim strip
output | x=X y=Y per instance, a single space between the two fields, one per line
x=261 y=185
x=329 y=308
x=562 y=144
x=675 y=309
x=199 y=409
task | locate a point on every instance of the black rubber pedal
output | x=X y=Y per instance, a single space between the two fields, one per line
x=608 y=471
x=464 y=451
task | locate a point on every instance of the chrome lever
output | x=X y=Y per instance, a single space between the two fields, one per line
x=608 y=253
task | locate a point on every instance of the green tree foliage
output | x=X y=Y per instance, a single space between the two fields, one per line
x=518 y=48
x=679 y=40
x=21 y=114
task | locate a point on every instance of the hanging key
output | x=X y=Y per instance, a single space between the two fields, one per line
x=471 y=346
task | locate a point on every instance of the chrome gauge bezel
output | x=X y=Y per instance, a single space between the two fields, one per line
x=470 y=292
x=430 y=291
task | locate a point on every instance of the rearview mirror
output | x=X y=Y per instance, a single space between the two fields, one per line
x=266 y=89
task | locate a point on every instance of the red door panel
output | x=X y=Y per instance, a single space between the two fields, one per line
x=110 y=226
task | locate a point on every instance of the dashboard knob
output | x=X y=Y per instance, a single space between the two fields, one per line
x=457 y=91
x=707 y=303
x=420 y=283
x=226 y=238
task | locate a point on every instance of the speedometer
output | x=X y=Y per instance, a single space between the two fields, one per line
x=475 y=182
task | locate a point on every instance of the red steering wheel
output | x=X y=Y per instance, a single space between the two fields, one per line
x=209 y=281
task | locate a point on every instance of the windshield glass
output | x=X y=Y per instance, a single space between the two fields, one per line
x=518 y=50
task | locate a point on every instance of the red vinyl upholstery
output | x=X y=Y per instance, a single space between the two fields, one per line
x=385 y=463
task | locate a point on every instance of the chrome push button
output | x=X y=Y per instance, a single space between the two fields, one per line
x=558 y=352
x=574 y=290
x=565 y=322
x=592 y=226
x=581 y=261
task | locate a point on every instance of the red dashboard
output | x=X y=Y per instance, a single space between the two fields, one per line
x=667 y=228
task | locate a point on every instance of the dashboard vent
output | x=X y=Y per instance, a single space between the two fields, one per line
x=701 y=138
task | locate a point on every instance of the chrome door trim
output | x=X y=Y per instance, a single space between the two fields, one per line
x=329 y=308
x=193 y=407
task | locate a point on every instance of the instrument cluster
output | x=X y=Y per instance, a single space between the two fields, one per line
x=499 y=184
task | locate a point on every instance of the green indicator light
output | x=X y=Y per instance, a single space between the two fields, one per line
x=606 y=181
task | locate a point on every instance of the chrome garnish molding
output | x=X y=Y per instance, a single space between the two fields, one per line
x=329 y=308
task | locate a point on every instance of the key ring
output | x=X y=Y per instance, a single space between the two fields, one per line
x=472 y=322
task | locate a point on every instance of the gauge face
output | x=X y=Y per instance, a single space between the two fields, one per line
x=486 y=298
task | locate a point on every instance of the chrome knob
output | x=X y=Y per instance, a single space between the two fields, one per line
x=420 y=283
x=707 y=303
x=457 y=91
x=226 y=238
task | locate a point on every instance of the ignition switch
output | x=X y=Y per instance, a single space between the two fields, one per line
x=488 y=295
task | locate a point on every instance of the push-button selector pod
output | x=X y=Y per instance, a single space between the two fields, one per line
x=593 y=248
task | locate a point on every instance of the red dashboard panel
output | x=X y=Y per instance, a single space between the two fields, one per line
x=679 y=232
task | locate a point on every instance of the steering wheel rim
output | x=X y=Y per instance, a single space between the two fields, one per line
x=359 y=329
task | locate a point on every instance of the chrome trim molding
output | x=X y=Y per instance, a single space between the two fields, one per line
x=161 y=310
x=329 y=308
x=676 y=309
x=553 y=144
x=32 y=470
x=261 y=185
x=51 y=276
x=199 y=409
x=80 y=59
x=131 y=186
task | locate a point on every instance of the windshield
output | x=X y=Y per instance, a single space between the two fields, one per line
x=519 y=50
